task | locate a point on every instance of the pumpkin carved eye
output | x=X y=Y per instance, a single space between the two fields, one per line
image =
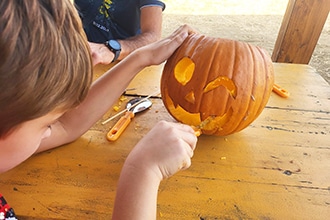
x=184 y=70
x=209 y=83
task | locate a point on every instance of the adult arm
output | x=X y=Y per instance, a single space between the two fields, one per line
x=151 y=30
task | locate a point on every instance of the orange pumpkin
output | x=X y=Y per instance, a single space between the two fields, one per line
x=217 y=85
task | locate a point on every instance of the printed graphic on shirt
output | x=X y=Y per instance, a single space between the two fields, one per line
x=105 y=7
x=103 y=19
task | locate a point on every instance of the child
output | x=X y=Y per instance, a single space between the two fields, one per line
x=45 y=83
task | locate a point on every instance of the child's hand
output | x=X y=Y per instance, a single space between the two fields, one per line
x=165 y=150
x=158 y=52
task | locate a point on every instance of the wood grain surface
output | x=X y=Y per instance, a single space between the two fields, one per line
x=277 y=168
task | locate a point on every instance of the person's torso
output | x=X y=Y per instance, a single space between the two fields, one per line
x=112 y=19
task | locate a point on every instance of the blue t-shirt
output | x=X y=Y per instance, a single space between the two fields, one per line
x=112 y=19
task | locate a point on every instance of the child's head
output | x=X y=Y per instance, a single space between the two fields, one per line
x=45 y=64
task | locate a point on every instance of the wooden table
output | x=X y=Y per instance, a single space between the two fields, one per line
x=277 y=168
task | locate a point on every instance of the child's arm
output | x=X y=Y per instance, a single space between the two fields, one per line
x=106 y=90
x=165 y=150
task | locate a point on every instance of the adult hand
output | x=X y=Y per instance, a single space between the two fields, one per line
x=165 y=150
x=100 y=53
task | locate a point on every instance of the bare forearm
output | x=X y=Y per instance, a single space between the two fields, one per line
x=155 y=157
x=102 y=55
x=105 y=92
x=102 y=95
x=151 y=31
x=130 y=44
x=136 y=196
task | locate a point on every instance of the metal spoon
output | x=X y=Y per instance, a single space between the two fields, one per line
x=123 y=122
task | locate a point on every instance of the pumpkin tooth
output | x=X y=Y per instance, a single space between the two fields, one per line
x=181 y=114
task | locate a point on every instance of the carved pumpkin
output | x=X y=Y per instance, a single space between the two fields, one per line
x=218 y=85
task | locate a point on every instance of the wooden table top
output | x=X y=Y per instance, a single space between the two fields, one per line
x=277 y=168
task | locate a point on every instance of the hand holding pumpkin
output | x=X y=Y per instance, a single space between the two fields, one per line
x=157 y=52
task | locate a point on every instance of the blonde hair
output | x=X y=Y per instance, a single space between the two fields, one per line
x=45 y=60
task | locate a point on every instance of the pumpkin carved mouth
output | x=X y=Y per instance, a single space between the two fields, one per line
x=194 y=119
x=217 y=85
x=183 y=72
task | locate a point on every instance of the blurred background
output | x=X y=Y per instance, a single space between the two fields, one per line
x=253 y=21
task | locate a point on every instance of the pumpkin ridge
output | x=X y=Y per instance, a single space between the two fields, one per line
x=265 y=92
x=232 y=76
x=195 y=40
x=227 y=48
x=211 y=46
x=220 y=108
x=269 y=79
x=247 y=57
x=216 y=71
x=254 y=104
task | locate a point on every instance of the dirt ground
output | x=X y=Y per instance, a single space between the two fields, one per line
x=254 y=21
